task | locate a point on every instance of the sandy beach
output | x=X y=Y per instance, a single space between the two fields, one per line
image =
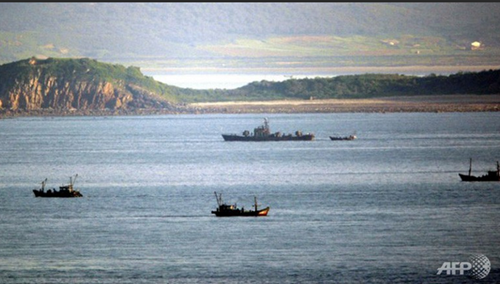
x=441 y=103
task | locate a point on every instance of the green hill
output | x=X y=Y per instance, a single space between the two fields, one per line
x=253 y=35
x=372 y=86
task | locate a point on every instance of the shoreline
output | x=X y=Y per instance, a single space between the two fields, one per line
x=433 y=103
x=438 y=103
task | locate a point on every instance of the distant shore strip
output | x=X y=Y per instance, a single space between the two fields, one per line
x=441 y=103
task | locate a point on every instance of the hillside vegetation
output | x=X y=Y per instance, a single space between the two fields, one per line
x=372 y=85
x=253 y=35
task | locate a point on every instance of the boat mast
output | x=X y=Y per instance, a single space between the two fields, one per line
x=43 y=184
x=470 y=166
x=71 y=182
x=218 y=198
x=255 y=200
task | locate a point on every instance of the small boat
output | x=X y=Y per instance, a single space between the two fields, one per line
x=64 y=190
x=489 y=176
x=263 y=133
x=227 y=210
x=350 y=137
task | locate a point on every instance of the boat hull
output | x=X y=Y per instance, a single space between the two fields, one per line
x=341 y=138
x=232 y=137
x=481 y=178
x=241 y=213
x=39 y=193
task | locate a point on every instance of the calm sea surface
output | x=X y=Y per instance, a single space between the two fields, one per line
x=388 y=207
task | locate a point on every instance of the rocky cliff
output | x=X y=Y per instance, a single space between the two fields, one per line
x=77 y=84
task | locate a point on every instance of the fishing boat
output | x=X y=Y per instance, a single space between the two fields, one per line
x=64 y=190
x=489 y=176
x=227 y=210
x=263 y=133
x=350 y=137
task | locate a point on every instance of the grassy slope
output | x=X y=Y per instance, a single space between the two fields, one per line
x=252 y=35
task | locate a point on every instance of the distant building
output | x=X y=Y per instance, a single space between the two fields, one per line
x=391 y=42
x=475 y=45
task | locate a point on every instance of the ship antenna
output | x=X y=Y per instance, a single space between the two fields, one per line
x=470 y=166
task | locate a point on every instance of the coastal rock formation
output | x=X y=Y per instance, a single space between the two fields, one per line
x=74 y=84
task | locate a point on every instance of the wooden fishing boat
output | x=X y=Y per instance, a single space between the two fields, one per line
x=336 y=138
x=489 y=176
x=64 y=190
x=227 y=210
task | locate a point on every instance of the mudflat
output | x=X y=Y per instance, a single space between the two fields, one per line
x=432 y=103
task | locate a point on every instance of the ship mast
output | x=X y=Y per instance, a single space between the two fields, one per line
x=71 y=182
x=43 y=184
x=218 y=198
x=470 y=166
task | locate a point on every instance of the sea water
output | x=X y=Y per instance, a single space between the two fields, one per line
x=388 y=207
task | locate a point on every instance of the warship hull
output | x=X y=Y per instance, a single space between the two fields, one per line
x=233 y=137
x=263 y=133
